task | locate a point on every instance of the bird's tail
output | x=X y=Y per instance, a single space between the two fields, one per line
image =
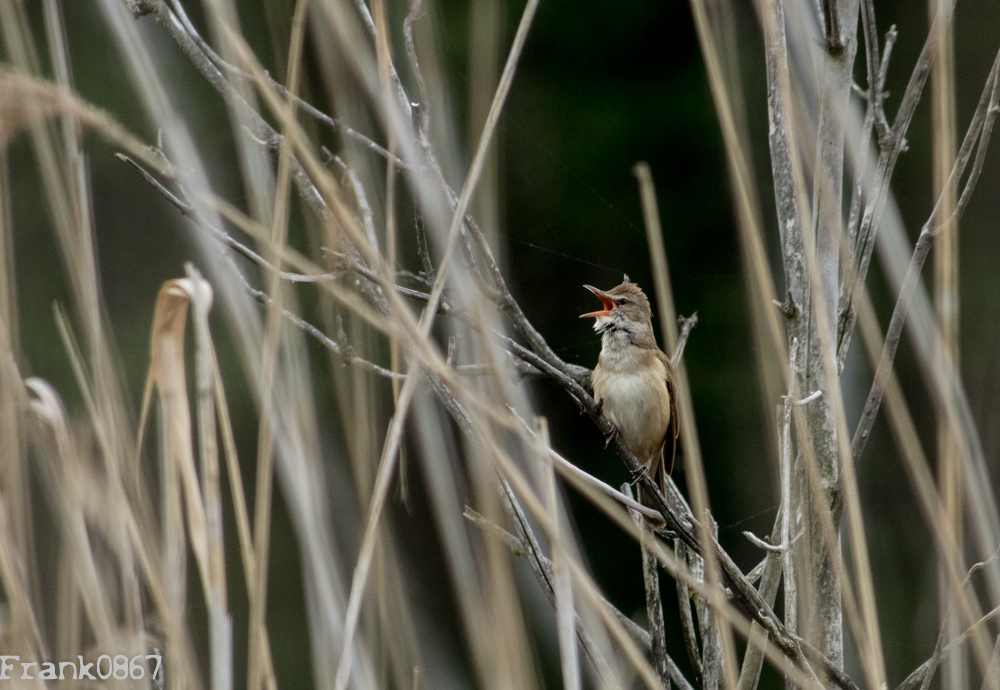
x=658 y=473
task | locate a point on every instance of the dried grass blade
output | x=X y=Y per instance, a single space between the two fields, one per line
x=167 y=369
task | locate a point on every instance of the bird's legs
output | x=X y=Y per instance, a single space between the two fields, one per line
x=610 y=436
x=638 y=474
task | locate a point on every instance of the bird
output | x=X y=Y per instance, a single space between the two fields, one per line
x=634 y=381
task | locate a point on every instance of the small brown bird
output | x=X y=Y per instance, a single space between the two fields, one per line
x=634 y=380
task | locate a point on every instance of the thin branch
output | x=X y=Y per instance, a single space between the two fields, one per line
x=502 y=297
x=515 y=544
x=769 y=573
x=187 y=210
x=876 y=83
x=711 y=648
x=255 y=124
x=367 y=217
x=761 y=544
x=861 y=158
x=522 y=367
x=783 y=527
x=563 y=584
x=346 y=352
x=422 y=116
x=482 y=282
x=686 y=325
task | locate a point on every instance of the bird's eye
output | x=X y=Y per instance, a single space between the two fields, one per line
x=623 y=300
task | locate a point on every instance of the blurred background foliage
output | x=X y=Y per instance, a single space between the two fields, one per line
x=600 y=86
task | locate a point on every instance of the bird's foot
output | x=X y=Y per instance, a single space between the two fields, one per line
x=664 y=532
x=600 y=406
x=638 y=474
x=609 y=437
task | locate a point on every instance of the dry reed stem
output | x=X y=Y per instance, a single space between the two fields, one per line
x=269 y=366
x=562 y=585
x=654 y=605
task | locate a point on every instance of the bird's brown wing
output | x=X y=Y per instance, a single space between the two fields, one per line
x=668 y=449
x=674 y=428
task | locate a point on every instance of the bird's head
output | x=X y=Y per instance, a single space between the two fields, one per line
x=626 y=308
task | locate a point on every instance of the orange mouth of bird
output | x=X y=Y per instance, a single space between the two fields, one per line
x=609 y=305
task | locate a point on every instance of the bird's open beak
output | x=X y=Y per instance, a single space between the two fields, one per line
x=609 y=306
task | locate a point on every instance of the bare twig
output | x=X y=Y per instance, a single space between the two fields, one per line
x=346 y=352
x=180 y=30
x=876 y=79
x=515 y=544
x=258 y=127
x=520 y=366
x=224 y=238
x=422 y=114
x=686 y=325
x=761 y=544
x=361 y=570
x=563 y=584
x=787 y=559
x=500 y=294
x=861 y=157
x=361 y=199
x=815 y=395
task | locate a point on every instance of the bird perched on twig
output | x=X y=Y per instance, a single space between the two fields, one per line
x=634 y=380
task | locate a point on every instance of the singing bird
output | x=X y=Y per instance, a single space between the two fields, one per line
x=634 y=380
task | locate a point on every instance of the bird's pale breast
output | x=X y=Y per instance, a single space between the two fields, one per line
x=636 y=400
